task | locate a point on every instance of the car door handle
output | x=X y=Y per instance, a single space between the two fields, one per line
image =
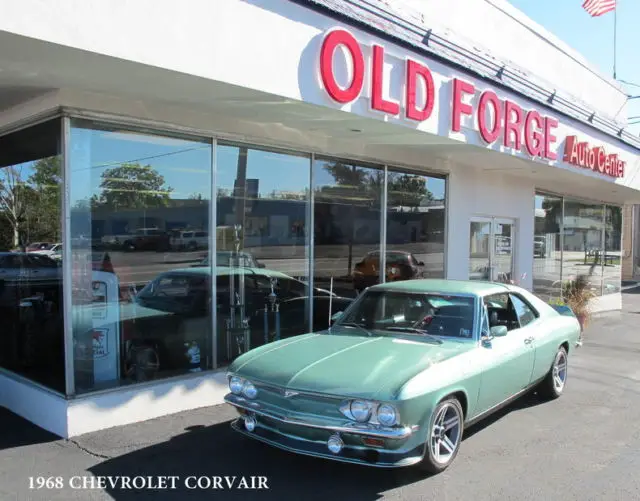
x=529 y=340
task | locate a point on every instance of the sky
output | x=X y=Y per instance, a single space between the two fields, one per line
x=593 y=37
x=186 y=165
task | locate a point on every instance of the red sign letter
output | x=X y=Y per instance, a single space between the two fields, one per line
x=331 y=42
x=415 y=69
x=512 y=124
x=549 y=138
x=489 y=97
x=460 y=87
x=377 y=83
x=533 y=139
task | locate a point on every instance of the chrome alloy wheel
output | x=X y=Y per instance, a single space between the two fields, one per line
x=559 y=371
x=445 y=433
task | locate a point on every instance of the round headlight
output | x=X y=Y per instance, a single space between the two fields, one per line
x=249 y=390
x=360 y=410
x=235 y=385
x=387 y=415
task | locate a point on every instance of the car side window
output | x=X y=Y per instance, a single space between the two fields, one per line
x=526 y=314
x=501 y=311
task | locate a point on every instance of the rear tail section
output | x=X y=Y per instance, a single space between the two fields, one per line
x=564 y=310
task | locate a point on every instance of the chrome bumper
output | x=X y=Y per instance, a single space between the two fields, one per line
x=362 y=429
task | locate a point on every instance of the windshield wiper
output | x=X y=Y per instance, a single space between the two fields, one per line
x=415 y=330
x=357 y=326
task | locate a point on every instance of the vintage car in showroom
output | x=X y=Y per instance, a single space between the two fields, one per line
x=402 y=371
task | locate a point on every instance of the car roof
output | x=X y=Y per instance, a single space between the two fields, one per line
x=227 y=270
x=474 y=287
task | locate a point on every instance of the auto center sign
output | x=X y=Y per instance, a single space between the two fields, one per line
x=498 y=119
x=582 y=154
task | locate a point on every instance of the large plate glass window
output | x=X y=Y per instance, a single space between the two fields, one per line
x=347 y=218
x=583 y=241
x=141 y=306
x=262 y=256
x=31 y=300
x=547 y=247
x=415 y=226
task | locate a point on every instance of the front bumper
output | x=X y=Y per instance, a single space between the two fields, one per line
x=308 y=436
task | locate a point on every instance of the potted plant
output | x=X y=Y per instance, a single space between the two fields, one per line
x=577 y=294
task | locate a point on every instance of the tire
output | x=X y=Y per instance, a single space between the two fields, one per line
x=554 y=383
x=440 y=453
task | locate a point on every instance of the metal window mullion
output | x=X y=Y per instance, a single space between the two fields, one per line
x=562 y=201
x=603 y=244
x=383 y=226
x=213 y=246
x=67 y=275
x=310 y=241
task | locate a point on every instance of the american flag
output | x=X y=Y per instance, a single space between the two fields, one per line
x=598 y=7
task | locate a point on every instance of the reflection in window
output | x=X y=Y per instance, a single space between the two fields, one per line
x=31 y=302
x=547 y=247
x=139 y=226
x=583 y=243
x=415 y=226
x=347 y=226
x=262 y=248
x=612 y=271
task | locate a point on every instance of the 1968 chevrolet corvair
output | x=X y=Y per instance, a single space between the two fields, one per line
x=402 y=371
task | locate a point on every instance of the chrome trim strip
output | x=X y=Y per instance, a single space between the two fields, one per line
x=352 y=428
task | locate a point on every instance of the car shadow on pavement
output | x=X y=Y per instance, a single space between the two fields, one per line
x=18 y=432
x=216 y=451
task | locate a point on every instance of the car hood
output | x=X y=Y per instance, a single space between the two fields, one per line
x=345 y=365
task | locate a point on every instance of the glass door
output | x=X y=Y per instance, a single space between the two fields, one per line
x=491 y=246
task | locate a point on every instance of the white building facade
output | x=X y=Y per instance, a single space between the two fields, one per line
x=233 y=173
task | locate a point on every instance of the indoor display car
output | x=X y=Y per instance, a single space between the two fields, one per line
x=402 y=371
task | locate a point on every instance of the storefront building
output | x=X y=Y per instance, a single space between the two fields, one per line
x=174 y=196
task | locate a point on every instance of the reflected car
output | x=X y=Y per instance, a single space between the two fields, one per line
x=175 y=308
x=31 y=268
x=402 y=372
x=539 y=246
x=399 y=265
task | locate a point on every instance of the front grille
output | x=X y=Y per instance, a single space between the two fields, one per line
x=299 y=401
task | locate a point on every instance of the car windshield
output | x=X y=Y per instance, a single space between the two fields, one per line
x=411 y=313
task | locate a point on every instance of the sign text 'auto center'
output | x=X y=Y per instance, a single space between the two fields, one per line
x=508 y=122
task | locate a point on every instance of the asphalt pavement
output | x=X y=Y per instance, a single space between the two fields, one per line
x=583 y=446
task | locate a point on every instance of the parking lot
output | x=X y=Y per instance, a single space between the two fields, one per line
x=584 y=446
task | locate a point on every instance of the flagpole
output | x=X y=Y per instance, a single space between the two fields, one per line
x=615 y=37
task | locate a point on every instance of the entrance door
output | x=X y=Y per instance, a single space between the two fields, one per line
x=491 y=245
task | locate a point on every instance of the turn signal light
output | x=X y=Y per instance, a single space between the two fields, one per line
x=373 y=442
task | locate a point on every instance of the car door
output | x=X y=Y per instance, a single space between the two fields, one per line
x=507 y=362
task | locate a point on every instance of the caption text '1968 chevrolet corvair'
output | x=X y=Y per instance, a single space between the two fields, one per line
x=402 y=371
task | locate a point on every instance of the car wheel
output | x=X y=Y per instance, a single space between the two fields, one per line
x=445 y=435
x=553 y=384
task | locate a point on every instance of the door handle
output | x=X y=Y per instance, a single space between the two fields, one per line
x=528 y=340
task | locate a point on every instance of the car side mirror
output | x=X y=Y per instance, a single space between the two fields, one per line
x=336 y=316
x=499 y=331
x=420 y=263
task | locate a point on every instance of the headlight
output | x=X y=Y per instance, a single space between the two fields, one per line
x=249 y=390
x=360 y=410
x=235 y=385
x=387 y=415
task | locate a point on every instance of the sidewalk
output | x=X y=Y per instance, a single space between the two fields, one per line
x=199 y=443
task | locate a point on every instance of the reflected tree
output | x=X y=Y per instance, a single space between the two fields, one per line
x=13 y=201
x=133 y=186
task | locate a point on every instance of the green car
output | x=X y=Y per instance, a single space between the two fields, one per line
x=402 y=371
